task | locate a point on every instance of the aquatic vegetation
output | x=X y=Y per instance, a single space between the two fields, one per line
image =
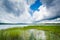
x=31 y=33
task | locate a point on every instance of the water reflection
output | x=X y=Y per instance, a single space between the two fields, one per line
x=34 y=34
x=30 y=34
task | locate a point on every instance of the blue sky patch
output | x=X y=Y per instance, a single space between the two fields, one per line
x=35 y=6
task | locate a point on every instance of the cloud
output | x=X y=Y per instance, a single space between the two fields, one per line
x=53 y=6
x=49 y=10
x=30 y=2
x=13 y=11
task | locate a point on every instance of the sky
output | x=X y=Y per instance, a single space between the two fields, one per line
x=29 y=11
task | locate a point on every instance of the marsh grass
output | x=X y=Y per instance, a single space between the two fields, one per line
x=51 y=32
